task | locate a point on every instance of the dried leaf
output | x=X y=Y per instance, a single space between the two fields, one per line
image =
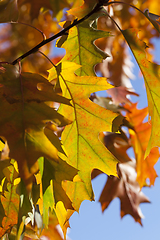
x=126 y=189
x=117 y=145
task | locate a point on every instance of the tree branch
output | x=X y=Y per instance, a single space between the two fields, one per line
x=75 y=22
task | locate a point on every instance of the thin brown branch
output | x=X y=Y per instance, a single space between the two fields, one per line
x=62 y=32
x=26 y=24
x=47 y=58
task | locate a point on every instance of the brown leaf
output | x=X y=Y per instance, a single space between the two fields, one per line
x=126 y=189
x=8 y=11
x=107 y=103
x=119 y=95
x=117 y=145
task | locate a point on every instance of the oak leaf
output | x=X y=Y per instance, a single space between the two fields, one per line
x=84 y=9
x=54 y=196
x=84 y=149
x=126 y=189
x=140 y=135
x=81 y=49
x=118 y=145
x=26 y=103
x=151 y=74
x=118 y=68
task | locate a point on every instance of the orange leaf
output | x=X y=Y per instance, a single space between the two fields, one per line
x=139 y=140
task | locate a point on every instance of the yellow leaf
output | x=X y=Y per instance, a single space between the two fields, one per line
x=80 y=48
x=151 y=74
x=84 y=9
x=84 y=149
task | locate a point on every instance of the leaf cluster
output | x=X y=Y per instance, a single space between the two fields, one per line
x=56 y=132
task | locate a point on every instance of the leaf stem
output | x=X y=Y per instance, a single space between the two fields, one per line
x=47 y=58
x=114 y=22
x=26 y=24
x=97 y=7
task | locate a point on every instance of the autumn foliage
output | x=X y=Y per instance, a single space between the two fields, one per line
x=57 y=132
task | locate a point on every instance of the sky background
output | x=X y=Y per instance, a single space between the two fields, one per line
x=92 y=224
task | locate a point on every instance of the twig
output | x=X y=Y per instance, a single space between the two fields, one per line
x=47 y=58
x=75 y=22
x=26 y=24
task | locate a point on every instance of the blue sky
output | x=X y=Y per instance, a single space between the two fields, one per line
x=92 y=224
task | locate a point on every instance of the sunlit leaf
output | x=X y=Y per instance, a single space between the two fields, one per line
x=80 y=48
x=52 y=176
x=84 y=149
x=10 y=201
x=56 y=133
x=82 y=10
x=140 y=136
x=151 y=74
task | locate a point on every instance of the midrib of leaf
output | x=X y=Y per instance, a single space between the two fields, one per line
x=74 y=105
x=107 y=162
x=76 y=120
